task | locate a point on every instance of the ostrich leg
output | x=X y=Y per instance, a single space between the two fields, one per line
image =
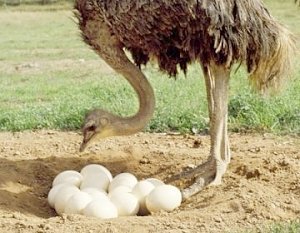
x=211 y=172
x=217 y=83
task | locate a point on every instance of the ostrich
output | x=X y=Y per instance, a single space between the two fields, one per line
x=215 y=33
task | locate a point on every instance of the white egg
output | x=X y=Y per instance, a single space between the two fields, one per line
x=125 y=175
x=62 y=196
x=95 y=180
x=53 y=191
x=155 y=182
x=95 y=193
x=77 y=203
x=123 y=179
x=95 y=168
x=163 y=197
x=69 y=176
x=120 y=189
x=103 y=209
x=126 y=203
x=140 y=191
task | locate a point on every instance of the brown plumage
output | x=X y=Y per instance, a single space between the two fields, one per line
x=180 y=31
x=216 y=33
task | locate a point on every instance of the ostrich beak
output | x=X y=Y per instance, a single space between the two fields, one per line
x=90 y=136
x=82 y=146
x=87 y=138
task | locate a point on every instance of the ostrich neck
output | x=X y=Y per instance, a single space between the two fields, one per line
x=144 y=91
x=108 y=47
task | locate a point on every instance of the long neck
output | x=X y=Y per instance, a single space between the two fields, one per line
x=98 y=35
x=144 y=91
x=116 y=58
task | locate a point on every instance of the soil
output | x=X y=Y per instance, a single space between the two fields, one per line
x=261 y=185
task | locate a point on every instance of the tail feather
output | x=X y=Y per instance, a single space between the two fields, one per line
x=274 y=69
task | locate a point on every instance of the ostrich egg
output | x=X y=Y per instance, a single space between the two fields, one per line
x=62 y=196
x=95 y=168
x=95 y=193
x=103 y=209
x=77 y=202
x=140 y=191
x=163 y=197
x=120 y=189
x=155 y=182
x=53 y=191
x=126 y=203
x=69 y=176
x=123 y=179
x=95 y=180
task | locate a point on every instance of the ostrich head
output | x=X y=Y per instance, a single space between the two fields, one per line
x=98 y=124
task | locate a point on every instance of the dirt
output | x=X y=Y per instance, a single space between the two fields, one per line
x=261 y=185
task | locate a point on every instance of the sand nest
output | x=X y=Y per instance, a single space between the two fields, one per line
x=262 y=183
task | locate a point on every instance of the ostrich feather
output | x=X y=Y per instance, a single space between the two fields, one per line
x=178 y=32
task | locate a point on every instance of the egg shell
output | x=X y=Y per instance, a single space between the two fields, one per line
x=140 y=191
x=95 y=168
x=68 y=176
x=103 y=209
x=120 y=189
x=62 y=196
x=77 y=202
x=155 y=182
x=125 y=175
x=163 y=197
x=53 y=191
x=126 y=203
x=95 y=193
x=95 y=180
x=123 y=179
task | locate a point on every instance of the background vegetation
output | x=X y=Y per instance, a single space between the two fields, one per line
x=34 y=2
x=50 y=78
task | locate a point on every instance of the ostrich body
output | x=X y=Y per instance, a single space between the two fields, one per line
x=215 y=33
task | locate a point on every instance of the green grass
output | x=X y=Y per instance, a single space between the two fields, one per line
x=293 y=227
x=50 y=78
x=287 y=227
x=36 y=5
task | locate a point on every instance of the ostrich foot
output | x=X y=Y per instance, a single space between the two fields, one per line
x=199 y=184
x=208 y=173
x=204 y=168
x=221 y=167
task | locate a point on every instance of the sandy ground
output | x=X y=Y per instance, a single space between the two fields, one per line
x=261 y=185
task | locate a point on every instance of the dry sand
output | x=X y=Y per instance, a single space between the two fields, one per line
x=261 y=186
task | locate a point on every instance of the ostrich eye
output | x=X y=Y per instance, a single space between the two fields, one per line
x=104 y=121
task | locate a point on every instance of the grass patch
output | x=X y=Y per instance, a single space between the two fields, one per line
x=50 y=78
x=36 y=5
x=290 y=227
x=293 y=227
x=250 y=111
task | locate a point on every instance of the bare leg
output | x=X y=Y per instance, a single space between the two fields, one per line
x=217 y=83
x=211 y=172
